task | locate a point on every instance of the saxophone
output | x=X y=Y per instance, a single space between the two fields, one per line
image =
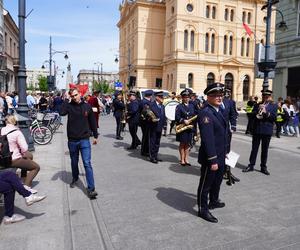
x=182 y=127
x=124 y=113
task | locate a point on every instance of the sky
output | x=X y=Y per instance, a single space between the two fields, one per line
x=85 y=28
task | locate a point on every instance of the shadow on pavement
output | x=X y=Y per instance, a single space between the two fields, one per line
x=110 y=136
x=66 y=177
x=119 y=144
x=177 y=199
x=193 y=170
x=240 y=166
x=169 y=145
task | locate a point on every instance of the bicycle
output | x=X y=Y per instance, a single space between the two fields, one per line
x=41 y=135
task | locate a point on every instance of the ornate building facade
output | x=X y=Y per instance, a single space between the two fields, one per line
x=174 y=44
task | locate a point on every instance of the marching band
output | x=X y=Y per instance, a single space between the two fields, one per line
x=215 y=120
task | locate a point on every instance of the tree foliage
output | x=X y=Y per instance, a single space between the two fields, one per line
x=103 y=87
x=43 y=84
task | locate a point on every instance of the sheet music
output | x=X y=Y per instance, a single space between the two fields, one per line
x=232 y=159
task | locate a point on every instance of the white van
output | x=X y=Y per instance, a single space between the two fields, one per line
x=140 y=92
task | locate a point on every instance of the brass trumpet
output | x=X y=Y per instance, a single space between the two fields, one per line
x=182 y=127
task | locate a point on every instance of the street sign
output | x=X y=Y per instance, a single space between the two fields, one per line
x=118 y=85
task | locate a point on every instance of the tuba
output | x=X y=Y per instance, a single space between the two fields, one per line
x=182 y=127
x=147 y=114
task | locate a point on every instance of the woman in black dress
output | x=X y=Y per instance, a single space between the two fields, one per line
x=184 y=112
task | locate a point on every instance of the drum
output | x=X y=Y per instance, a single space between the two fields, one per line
x=170 y=109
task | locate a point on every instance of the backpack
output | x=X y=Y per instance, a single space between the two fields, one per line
x=14 y=102
x=5 y=154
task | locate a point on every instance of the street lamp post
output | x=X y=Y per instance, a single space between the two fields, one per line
x=267 y=65
x=22 y=110
x=52 y=52
x=98 y=72
x=128 y=65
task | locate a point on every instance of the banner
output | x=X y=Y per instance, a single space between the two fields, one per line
x=82 y=88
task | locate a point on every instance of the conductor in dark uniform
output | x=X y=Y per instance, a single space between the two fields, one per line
x=184 y=112
x=156 y=128
x=265 y=116
x=212 y=152
x=144 y=122
x=119 y=109
x=133 y=119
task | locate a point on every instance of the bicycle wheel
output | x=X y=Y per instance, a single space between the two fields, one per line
x=42 y=135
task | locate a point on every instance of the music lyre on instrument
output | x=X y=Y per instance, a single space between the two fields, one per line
x=170 y=109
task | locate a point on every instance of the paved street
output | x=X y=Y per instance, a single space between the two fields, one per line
x=147 y=206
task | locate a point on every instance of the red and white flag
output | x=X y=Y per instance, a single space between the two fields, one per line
x=248 y=30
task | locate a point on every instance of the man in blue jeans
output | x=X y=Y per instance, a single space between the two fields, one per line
x=80 y=121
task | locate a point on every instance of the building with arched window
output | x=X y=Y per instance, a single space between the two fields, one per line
x=189 y=43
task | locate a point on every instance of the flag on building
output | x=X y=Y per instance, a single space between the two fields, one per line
x=248 y=30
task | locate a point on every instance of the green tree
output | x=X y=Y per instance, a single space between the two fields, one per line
x=103 y=87
x=43 y=84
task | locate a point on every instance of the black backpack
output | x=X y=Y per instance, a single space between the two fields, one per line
x=5 y=154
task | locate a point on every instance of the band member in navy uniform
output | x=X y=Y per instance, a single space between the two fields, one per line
x=156 y=128
x=228 y=109
x=133 y=117
x=212 y=152
x=265 y=116
x=119 y=113
x=144 y=122
x=184 y=112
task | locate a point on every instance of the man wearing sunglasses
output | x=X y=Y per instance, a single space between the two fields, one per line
x=80 y=120
x=212 y=152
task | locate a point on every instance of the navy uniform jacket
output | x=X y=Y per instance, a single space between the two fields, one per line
x=265 y=126
x=184 y=112
x=133 y=112
x=159 y=113
x=142 y=105
x=213 y=131
x=230 y=114
x=196 y=104
x=119 y=107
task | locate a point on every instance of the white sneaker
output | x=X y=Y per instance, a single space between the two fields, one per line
x=34 y=198
x=31 y=190
x=15 y=218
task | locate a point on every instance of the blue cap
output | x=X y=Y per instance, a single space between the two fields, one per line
x=185 y=92
x=117 y=93
x=132 y=93
x=159 y=93
x=148 y=92
x=214 y=87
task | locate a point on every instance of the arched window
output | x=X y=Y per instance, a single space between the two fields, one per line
x=229 y=81
x=249 y=17
x=230 y=45
x=262 y=41
x=226 y=14
x=242 y=46
x=171 y=82
x=246 y=86
x=231 y=15
x=206 y=43
x=248 y=47
x=244 y=17
x=210 y=78
x=213 y=12
x=190 y=80
x=212 y=46
x=186 y=37
x=207 y=11
x=225 y=45
x=192 y=40
x=168 y=81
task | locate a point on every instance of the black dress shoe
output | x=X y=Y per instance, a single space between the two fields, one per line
x=265 y=171
x=154 y=161
x=119 y=138
x=207 y=216
x=158 y=159
x=73 y=183
x=248 y=169
x=218 y=204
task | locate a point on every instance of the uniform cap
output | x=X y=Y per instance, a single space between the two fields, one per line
x=266 y=92
x=148 y=92
x=132 y=93
x=159 y=93
x=214 y=87
x=185 y=93
x=117 y=93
